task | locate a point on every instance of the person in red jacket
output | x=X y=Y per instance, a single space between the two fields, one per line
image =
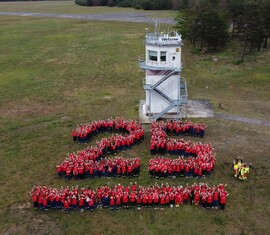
x=59 y=170
x=35 y=200
x=196 y=198
x=210 y=200
x=125 y=200
x=139 y=201
x=81 y=203
x=45 y=204
x=223 y=200
x=215 y=199
x=112 y=202
x=74 y=135
x=66 y=206
x=91 y=204
x=118 y=202
x=74 y=202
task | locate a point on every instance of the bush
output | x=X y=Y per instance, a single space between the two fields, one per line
x=125 y=3
x=83 y=2
x=147 y=5
x=137 y=4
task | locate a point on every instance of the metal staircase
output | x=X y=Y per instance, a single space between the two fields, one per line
x=167 y=74
x=163 y=95
x=159 y=115
x=172 y=103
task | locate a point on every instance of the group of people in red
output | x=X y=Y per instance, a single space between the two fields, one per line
x=119 y=196
x=196 y=159
x=91 y=162
x=134 y=131
x=161 y=167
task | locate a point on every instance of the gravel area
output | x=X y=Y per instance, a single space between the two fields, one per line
x=241 y=119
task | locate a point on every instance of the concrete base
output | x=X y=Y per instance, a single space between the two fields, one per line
x=198 y=108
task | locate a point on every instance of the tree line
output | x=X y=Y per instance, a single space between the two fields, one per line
x=210 y=24
x=137 y=4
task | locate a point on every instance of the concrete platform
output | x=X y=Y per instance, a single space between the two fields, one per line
x=197 y=108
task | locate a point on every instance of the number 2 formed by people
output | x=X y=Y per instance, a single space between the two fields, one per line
x=91 y=161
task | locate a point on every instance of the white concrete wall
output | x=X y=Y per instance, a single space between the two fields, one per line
x=171 y=52
x=170 y=87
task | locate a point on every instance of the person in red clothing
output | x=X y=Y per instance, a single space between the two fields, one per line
x=150 y=200
x=91 y=204
x=215 y=199
x=129 y=170
x=81 y=171
x=124 y=170
x=59 y=170
x=68 y=173
x=210 y=200
x=162 y=200
x=74 y=135
x=35 y=200
x=138 y=201
x=75 y=172
x=186 y=196
x=196 y=198
x=82 y=203
x=204 y=199
x=45 y=204
x=40 y=202
x=145 y=199
x=74 y=202
x=118 y=202
x=223 y=200
x=112 y=203
x=125 y=200
x=66 y=206
x=132 y=198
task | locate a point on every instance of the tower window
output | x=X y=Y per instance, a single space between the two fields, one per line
x=152 y=55
x=163 y=56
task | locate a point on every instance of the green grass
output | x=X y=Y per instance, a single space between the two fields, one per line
x=56 y=73
x=69 y=7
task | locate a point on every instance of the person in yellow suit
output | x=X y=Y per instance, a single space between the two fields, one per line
x=242 y=172
x=247 y=170
x=235 y=168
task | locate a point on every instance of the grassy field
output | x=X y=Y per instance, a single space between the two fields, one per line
x=69 y=7
x=56 y=73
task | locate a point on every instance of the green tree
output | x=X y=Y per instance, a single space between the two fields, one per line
x=251 y=27
x=147 y=5
x=205 y=23
x=266 y=20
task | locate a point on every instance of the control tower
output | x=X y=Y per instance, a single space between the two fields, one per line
x=165 y=90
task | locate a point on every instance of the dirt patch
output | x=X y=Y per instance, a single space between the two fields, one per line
x=27 y=107
x=27 y=221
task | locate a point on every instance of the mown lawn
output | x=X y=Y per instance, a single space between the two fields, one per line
x=69 y=7
x=57 y=73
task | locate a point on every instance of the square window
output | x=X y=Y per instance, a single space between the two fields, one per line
x=152 y=55
x=163 y=56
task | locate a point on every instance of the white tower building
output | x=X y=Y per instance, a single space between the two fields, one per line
x=166 y=91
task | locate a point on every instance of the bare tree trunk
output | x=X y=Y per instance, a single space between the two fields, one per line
x=244 y=51
x=250 y=48
x=265 y=43
x=259 y=46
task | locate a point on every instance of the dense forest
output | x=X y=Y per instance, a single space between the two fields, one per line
x=210 y=24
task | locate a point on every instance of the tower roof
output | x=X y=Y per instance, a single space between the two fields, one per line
x=163 y=39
